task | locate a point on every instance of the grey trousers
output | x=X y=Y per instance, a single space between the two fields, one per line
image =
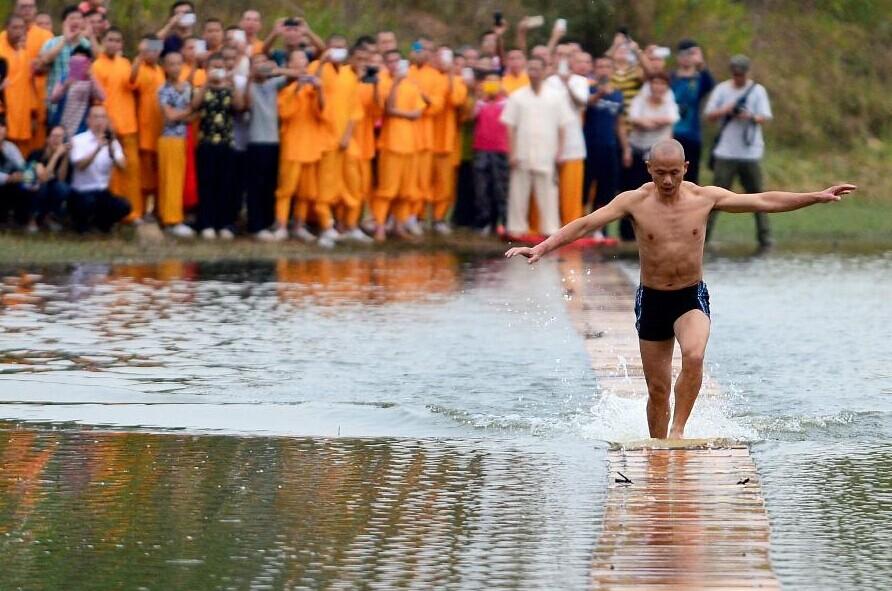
x=750 y=174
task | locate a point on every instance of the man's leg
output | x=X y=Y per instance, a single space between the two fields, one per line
x=482 y=193
x=519 y=201
x=570 y=189
x=692 y=332
x=723 y=177
x=547 y=202
x=751 y=179
x=656 y=359
x=110 y=209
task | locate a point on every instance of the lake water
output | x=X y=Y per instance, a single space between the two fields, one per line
x=407 y=421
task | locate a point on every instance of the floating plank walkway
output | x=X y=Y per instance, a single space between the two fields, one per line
x=679 y=515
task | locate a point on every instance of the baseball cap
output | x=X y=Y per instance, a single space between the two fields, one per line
x=740 y=62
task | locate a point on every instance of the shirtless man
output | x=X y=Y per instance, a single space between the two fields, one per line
x=672 y=302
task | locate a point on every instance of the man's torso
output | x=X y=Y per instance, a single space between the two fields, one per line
x=671 y=235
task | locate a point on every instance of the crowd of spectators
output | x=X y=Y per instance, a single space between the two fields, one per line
x=213 y=130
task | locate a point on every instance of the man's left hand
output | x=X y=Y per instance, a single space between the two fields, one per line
x=835 y=193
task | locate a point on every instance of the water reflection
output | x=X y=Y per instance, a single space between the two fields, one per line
x=683 y=521
x=94 y=510
x=830 y=508
x=415 y=344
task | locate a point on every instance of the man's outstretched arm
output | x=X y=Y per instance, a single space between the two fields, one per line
x=775 y=201
x=576 y=229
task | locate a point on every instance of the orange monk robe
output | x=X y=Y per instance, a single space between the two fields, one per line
x=445 y=139
x=149 y=80
x=199 y=79
x=257 y=46
x=511 y=82
x=113 y=76
x=34 y=40
x=398 y=148
x=432 y=84
x=300 y=133
x=365 y=137
x=19 y=97
x=339 y=179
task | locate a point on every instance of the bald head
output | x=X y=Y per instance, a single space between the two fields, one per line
x=667 y=151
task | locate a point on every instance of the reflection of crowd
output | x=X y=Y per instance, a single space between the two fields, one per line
x=215 y=130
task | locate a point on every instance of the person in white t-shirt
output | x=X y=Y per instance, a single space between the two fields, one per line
x=741 y=107
x=571 y=82
x=94 y=154
x=536 y=118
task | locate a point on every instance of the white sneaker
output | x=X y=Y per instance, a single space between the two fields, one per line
x=209 y=234
x=280 y=234
x=326 y=242
x=330 y=234
x=181 y=231
x=356 y=235
x=442 y=228
x=414 y=228
x=264 y=236
x=226 y=234
x=302 y=234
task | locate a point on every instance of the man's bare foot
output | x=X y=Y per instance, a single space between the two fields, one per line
x=673 y=434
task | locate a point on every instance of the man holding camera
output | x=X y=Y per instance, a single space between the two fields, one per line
x=742 y=107
x=94 y=154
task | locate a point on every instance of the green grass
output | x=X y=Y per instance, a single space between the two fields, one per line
x=864 y=218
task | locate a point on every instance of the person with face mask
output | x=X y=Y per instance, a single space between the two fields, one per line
x=112 y=72
x=339 y=182
x=216 y=103
x=73 y=95
x=490 y=157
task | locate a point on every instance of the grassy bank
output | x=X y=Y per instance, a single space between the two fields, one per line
x=864 y=218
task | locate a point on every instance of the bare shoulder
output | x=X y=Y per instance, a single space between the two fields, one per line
x=634 y=197
x=707 y=193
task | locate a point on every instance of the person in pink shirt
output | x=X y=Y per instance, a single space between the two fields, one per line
x=490 y=157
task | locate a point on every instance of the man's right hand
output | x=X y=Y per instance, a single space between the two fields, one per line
x=532 y=254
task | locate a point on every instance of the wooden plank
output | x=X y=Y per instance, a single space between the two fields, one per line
x=680 y=515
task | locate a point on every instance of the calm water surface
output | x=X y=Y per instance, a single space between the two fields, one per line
x=406 y=421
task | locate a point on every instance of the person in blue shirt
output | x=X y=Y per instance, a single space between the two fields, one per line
x=691 y=83
x=606 y=140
